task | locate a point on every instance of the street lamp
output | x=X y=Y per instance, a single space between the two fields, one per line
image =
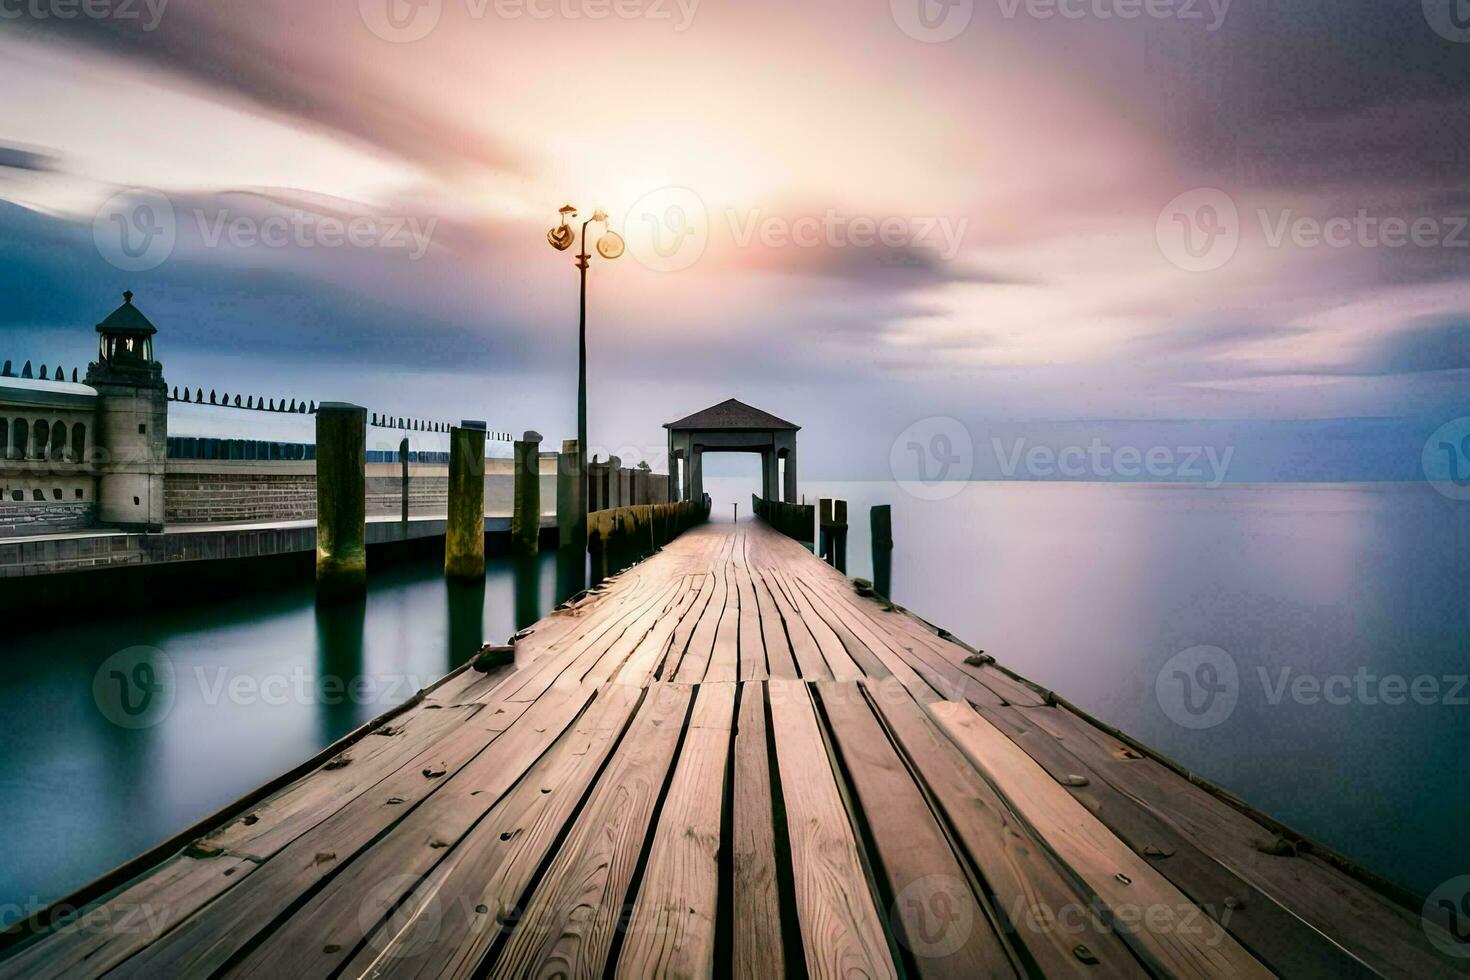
x=609 y=246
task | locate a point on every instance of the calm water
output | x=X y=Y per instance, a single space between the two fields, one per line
x=1091 y=589
x=259 y=685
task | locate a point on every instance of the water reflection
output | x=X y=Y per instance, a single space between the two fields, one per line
x=261 y=682
x=466 y=600
x=528 y=591
x=339 y=632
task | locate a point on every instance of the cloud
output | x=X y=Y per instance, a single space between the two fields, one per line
x=293 y=60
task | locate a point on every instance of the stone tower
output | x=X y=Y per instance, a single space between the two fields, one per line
x=132 y=421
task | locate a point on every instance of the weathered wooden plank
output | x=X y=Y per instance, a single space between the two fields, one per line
x=644 y=662
x=779 y=657
x=672 y=931
x=684 y=632
x=611 y=661
x=207 y=940
x=568 y=926
x=753 y=663
x=806 y=656
x=1163 y=924
x=1279 y=939
x=108 y=933
x=1381 y=934
x=933 y=910
x=697 y=659
x=448 y=924
x=759 y=947
x=840 y=925
x=1046 y=911
x=869 y=652
x=724 y=661
x=840 y=663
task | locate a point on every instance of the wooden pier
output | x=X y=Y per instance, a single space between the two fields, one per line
x=726 y=762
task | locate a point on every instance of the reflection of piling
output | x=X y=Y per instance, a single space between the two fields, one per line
x=341 y=500
x=881 y=518
x=464 y=538
x=525 y=517
x=466 y=618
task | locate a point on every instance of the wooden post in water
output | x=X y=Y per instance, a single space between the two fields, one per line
x=403 y=465
x=824 y=529
x=881 y=521
x=341 y=501
x=464 y=538
x=839 y=535
x=571 y=499
x=525 y=518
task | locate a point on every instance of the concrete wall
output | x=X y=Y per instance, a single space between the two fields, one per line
x=249 y=491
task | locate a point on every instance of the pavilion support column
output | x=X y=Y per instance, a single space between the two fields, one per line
x=791 y=496
x=464 y=538
x=341 y=501
x=571 y=497
x=696 y=473
x=525 y=518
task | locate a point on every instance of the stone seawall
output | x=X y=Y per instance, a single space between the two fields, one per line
x=46 y=517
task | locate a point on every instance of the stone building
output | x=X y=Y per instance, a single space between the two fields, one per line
x=80 y=454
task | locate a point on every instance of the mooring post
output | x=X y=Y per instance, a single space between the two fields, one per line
x=403 y=465
x=571 y=489
x=839 y=535
x=824 y=529
x=341 y=500
x=881 y=522
x=464 y=538
x=525 y=518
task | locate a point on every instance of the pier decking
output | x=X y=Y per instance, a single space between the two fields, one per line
x=725 y=761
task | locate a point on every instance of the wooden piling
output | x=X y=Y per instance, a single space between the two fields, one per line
x=403 y=465
x=881 y=523
x=341 y=500
x=571 y=498
x=839 y=535
x=525 y=518
x=464 y=538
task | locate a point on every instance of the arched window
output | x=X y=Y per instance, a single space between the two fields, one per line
x=4 y=438
x=41 y=439
x=58 y=439
x=79 y=442
x=20 y=433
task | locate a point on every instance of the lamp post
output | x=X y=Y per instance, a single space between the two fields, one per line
x=609 y=246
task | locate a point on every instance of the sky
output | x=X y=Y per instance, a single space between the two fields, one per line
x=1149 y=224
